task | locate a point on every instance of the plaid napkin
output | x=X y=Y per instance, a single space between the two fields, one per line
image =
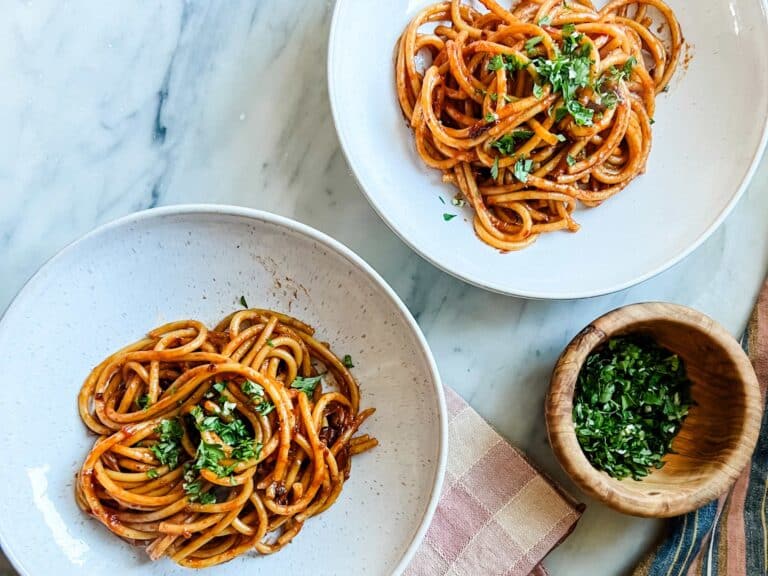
x=498 y=515
x=728 y=537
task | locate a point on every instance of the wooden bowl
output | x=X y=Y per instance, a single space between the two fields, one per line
x=717 y=438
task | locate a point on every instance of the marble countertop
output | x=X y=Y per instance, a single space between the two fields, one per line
x=109 y=108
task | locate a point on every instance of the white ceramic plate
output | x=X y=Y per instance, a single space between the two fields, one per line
x=708 y=137
x=127 y=277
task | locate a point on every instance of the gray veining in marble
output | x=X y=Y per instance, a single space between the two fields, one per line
x=108 y=108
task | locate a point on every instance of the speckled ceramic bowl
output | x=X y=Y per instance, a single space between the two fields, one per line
x=113 y=285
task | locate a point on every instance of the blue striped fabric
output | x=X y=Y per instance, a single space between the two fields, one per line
x=699 y=543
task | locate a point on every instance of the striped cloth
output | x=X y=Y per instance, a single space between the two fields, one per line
x=497 y=515
x=728 y=537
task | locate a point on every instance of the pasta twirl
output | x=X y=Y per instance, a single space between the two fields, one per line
x=216 y=442
x=533 y=109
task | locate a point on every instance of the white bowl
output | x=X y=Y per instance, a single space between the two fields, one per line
x=708 y=137
x=113 y=285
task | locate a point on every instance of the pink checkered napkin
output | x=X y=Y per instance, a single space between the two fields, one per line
x=498 y=515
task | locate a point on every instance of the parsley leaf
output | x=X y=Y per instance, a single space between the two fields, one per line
x=271 y=343
x=581 y=114
x=168 y=449
x=509 y=62
x=506 y=144
x=531 y=43
x=152 y=473
x=570 y=160
x=308 y=385
x=495 y=168
x=243 y=303
x=348 y=361
x=193 y=489
x=491 y=117
x=447 y=217
x=522 y=169
x=143 y=401
x=495 y=63
x=546 y=21
x=256 y=394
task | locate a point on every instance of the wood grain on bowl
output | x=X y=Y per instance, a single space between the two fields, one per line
x=715 y=441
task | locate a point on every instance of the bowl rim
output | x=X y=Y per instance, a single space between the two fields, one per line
x=499 y=288
x=334 y=246
x=561 y=430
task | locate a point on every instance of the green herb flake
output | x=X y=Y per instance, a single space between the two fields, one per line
x=531 y=43
x=271 y=343
x=546 y=21
x=494 y=171
x=152 y=473
x=491 y=117
x=495 y=63
x=308 y=385
x=143 y=401
x=523 y=169
x=168 y=448
x=507 y=143
x=348 y=361
x=243 y=303
x=570 y=160
x=631 y=399
x=448 y=217
x=264 y=407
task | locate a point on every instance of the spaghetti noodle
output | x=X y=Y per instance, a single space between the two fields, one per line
x=216 y=442
x=533 y=109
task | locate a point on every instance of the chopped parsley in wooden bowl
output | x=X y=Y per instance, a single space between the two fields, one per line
x=632 y=397
x=653 y=409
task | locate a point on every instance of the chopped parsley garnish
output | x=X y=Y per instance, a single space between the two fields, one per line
x=523 y=169
x=495 y=168
x=608 y=96
x=243 y=303
x=460 y=202
x=308 y=385
x=256 y=393
x=168 y=449
x=348 y=361
x=631 y=399
x=495 y=63
x=233 y=433
x=152 y=473
x=570 y=160
x=271 y=343
x=448 y=217
x=506 y=144
x=569 y=72
x=441 y=202
x=538 y=91
x=143 y=401
x=494 y=97
x=491 y=117
x=581 y=114
x=507 y=61
x=193 y=489
x=531 y=43
x=546 y=21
